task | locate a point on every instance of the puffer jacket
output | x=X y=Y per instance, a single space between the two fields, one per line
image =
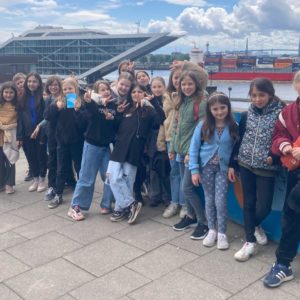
x=257 y=140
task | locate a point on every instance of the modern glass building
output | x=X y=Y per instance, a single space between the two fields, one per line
x=89 y=54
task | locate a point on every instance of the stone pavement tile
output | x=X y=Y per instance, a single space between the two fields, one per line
x=49 y=281
x=10 y=266
x=147 y=235
x=9 y=222
x=43 y=249
x=7 y=203
x=148 y=212
x=42 y=226
x=169 y=221
x=235 y=231
x=24 y=197
x=91 y=229
x=220 y=268
x=293 y=287
x=111 y=286
x=66 y=297
x=161 y=261
x=258 y=291
x=103 y=256
x=9 y=239
x=7 y=294
x=179 y=285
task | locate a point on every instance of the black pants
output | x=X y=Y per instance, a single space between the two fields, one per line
x=258 y=196
x=290 y=238
x=25 y=152
x=36 y=155
x=7 y=171
x=65 y=153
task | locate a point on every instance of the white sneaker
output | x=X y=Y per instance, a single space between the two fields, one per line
x=248 y=250
x=171 y=210
x=41 y=185
x=210 y=239
x=33 y=187
x=260 y=236
x=183 y=212
x=222 y=241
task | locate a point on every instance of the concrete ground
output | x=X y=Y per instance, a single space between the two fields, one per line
x=46 y=255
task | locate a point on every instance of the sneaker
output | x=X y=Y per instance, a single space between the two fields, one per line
x=9 y=189
x=58 y=200
x=75 y=213
x=33 y=187
x=41 y=185
x=211 y=238
x=50 y=194
x=260 y=236
x=279 y=273
x=200 y=232
x=28 y=176
x=248 y=250
x=183 y=212
x=171 y=210
x=184 y=223
x=135 y=208
x=222 y=243
x=104 y=211
x=118 y=216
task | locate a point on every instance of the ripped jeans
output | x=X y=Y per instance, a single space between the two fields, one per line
x=121 y=177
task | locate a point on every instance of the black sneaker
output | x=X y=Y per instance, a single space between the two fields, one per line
x=200 y=232
x=118 y=216
x=50 y=194
x=28 y=176
x=134 y=210
x=184 y=223
x=58 y=200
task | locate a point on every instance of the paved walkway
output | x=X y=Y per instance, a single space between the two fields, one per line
x=45 y=255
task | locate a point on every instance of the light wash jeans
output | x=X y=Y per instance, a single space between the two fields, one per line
x=94 y=159
x=121 y=178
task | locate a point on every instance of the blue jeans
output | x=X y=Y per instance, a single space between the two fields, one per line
x=94 y=159
x=121 y=178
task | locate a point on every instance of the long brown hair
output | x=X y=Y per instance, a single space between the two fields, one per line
x=50 y=81
x=209 y=123
x=9 y=85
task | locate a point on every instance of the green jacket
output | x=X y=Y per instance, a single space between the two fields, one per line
x=184 y=125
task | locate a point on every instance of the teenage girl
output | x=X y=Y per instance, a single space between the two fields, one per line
x=286 y=132
x=122 y=87
x=143 y=78
x=210 y=151
x=30 y=115
x=257 y=174
x=8 y=125
x=191 y=109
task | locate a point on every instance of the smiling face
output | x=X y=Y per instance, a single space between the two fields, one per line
x=68 y=88
x=8 y=94
x=188 y=86
x=258 y=98
x=157 y=87
x=219 y=111
x=142 y=79
x=104 y=91
x=137 y=95
x=54 y=89
x=123 y=86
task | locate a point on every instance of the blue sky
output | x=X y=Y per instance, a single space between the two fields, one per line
x=225 y=24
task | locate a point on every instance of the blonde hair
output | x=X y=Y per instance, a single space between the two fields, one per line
x=159 y=78
x=97 y=84
x=72 y=81
x=296 y=78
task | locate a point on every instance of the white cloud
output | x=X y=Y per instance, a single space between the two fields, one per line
x=187 y=2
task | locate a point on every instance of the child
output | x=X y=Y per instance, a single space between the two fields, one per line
x=137 y=121
x=29 y=116
x=70 y=125
x=143 y=78
x=122 y=87
x=191 y=108
x=8 y=125
x=210 y=152
x=285 y=134
x=257 y=175
x=102 y=125
x=126 y=66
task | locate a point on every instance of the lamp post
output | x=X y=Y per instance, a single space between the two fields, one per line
x=229 y=91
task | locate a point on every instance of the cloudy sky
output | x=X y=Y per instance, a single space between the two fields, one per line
x=224 y=23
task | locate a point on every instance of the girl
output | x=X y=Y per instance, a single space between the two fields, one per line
x=143 y=78
x=70 y=125
x=257 y=175
x=122 y=87
x=126 y=66
x=8 y=125
x=30 y=114
x=285 y=134
x=214 y=139
x=138 y=119
x=103 y=121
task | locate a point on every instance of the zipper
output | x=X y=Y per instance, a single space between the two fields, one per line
x=252 y=158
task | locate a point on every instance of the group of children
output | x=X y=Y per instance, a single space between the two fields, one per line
x=183 y=142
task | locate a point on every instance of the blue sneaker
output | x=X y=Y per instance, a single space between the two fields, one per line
x=278 y=274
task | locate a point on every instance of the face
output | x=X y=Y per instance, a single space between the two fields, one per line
x=124 y=68
x=123 y=86
x=175 y=79
x=188 y=86
x=219 y=111
x=258 y=98
x=32 y=83
x=54 y=88
x=142 y=79
x=104 y=91
x=157 y=88
x=297 y=87
x=8 y=94
x=137 y=95
x=20 y=84
x=68 y=88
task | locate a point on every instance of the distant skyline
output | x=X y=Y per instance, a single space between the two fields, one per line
x=224 y=24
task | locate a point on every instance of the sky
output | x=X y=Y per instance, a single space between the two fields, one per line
x=225 y=25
